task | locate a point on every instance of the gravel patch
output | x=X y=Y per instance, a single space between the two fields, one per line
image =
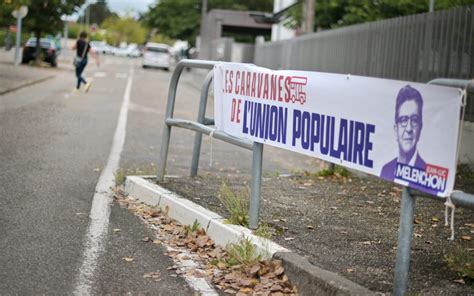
x=350 y=226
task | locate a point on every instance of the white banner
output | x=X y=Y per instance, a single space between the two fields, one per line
x=400 y=131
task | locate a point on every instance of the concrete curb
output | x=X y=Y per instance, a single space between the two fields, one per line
x=309 y=279
x=28 y=83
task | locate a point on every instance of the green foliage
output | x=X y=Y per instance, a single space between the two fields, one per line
x=465 y=171
x=123 y=30
x=121 y=174
x=243 y=253
x=338 y=171
x=462 y=262
x=236 y=204
x=192 y=228
x=180 y=19
x=98 y=12
x=6 y=8
x=159 y=38
x=264 y=230
x=44 y=16
x=337 y=13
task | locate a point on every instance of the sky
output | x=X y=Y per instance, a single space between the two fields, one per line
x=122 y=6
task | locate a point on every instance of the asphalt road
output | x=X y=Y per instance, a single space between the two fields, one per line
x=54 y=145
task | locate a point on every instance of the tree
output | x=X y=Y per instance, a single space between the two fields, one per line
x=98 y=12
x=180 y=19
x=44 y=16
x=6 y=8
x=337 y=13
x=123 y=30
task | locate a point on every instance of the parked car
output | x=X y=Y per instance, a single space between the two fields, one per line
x=157 y=55
x=100 y=47
x=130 y=50
x=48 y=52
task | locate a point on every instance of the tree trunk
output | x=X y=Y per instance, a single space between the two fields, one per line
x=38 y=47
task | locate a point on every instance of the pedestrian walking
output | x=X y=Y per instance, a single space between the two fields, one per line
x=83 y=48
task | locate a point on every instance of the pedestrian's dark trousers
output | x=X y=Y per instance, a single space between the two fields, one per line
x=79 y=69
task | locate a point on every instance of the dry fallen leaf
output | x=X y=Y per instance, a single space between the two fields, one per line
x=434 y=219
x=146 y=239
x=128 y=259
x=460 y=281
x=350 y=270
x=466 y=237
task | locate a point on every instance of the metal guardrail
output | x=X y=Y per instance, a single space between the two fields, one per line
x=407 y=208
x=201 y=128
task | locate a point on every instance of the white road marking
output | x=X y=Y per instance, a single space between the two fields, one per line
x=121 y=75
x=100 y=74
x=144 y=109
x=100 y=211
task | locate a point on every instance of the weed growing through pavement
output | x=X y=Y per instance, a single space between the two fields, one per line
x=121 y=174
x=243 y=253
x=192 y=228
x=462 y=262
x=264 y=230
x=236 y=204
x=465 y=171
x=338 y=171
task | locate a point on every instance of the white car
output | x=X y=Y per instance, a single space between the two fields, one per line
x=157 y=55
x=128 y=51
x=100 y=47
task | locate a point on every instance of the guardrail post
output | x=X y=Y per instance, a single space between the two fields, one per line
x=165 y=142
x=200 y=119
x=405 y=234
x=254 y=210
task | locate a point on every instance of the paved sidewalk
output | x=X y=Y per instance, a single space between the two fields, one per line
x=13 y=78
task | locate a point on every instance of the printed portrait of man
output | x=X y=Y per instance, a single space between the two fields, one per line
x=408 y=126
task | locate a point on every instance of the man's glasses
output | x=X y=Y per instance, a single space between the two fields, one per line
x=415 y=121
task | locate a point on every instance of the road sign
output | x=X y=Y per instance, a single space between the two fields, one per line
x=93 y=28
x=19 y=14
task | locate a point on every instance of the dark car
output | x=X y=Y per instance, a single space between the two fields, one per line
x=48 y=52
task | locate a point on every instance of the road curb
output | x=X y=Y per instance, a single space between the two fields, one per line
x=309 y=279
x=28 y=83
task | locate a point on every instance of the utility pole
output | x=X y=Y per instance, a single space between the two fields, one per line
x=200 y=43
x=203 y=17
x=432 y=5
x=88 y=14
x=308 y=16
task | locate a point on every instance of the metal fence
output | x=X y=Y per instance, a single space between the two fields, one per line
x=414 y=48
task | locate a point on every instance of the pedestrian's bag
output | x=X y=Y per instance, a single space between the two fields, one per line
x=78 y=59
